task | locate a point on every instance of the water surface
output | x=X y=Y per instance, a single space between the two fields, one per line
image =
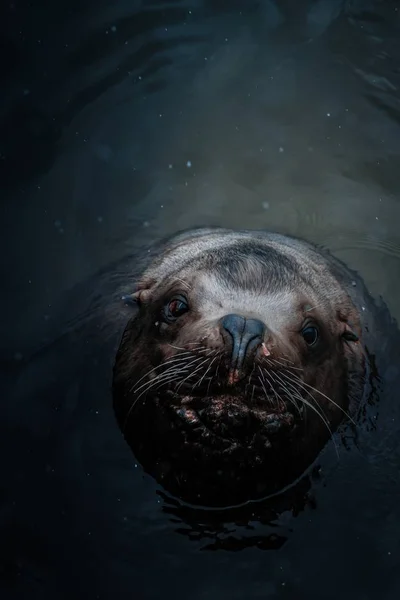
x=126 y=121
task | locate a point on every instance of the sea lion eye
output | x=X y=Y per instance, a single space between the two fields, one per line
x=175 y=308
x=310 y=335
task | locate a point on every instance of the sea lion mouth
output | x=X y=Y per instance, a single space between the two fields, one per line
x=232 y=419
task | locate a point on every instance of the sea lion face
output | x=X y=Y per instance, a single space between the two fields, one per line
x=235 y=371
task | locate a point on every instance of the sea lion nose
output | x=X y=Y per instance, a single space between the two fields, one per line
x=246 y=334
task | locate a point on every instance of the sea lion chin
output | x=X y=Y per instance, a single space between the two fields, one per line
x=245 y=355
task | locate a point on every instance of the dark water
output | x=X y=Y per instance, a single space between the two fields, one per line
x=124 y=121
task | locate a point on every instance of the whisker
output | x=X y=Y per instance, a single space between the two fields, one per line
x=279 y=397
x=271 y=384
x=249 y=379
x=192 y=374
x=290 y=394
x=273 y=360
x=321 y=415
x=160 y=366
x=286 y=358
x=173 y=362
x=298 y=383
x=263 y=387
x=189 y=344
x=136 y=400
x=160 y=379
x=324 y=396
x=209 y=367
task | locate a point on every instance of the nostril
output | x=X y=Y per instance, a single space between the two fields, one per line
x=233 y=324
x=246 y=335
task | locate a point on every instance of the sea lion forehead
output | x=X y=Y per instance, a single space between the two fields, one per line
x=183 y=251
x=224 y=250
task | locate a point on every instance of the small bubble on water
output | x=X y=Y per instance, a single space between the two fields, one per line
x=113 y=29
x=363 y=308
x=146 y=224
x=265 y=205
x=57 y=223
x=281 y=149
x=189 y=164
x=100 y=219
x=328 y=114
x=170 y=166
x=353 y=283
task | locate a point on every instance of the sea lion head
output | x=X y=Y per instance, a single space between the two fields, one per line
x=243 y=358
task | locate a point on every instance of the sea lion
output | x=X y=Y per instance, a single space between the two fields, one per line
x=247 y=351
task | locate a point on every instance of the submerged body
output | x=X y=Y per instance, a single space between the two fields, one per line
x=247 y=351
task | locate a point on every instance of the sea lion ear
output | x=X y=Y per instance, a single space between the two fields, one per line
x=129 y=300
x=141 y=296
x=350 y=336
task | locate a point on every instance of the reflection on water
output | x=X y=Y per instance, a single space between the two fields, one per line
x=125 y=121
x=262 y=525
